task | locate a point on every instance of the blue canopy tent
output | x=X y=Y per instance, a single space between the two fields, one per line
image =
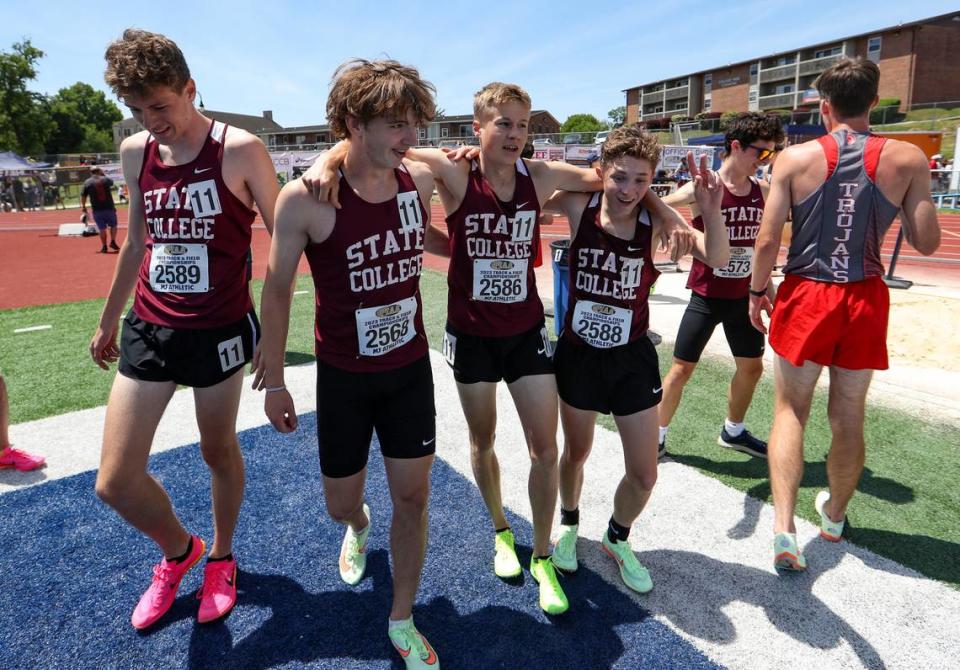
x=11 y=163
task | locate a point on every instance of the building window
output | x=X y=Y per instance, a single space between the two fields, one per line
x=707 y=83
x=422 y=133
x=444 y=131
x=873 y=49
x=782 y=89
x=753 y=95
x=823 y=53
x=466 y=130
x=707 y=104
x=786 y=60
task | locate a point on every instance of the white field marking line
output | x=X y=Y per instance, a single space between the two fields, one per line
x=300 y=292
x=31 y=329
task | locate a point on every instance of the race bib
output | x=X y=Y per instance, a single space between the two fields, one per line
x=523 y=223
x=740 y=265
x=179 y=268
x=500 y=280
x=408 y=205
x=382 y=329
x=204 y=198
x=602 y=326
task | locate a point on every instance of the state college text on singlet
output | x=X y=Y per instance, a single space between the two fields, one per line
x=367 y=279
x=741 y=215
x=838 y=229
x=610 y=280
x=492 y=289
x=194 y=272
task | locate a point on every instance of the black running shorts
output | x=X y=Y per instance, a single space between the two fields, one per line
x=621 y=381
x=702 y=316
x=490 y=359
x=398 y=404
x=197 y=358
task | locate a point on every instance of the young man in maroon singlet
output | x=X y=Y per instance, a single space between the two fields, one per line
x=193 y=183
x=720 y=296
x=373 y=366
x=844 y=191
x=495 y=320
x=604 y=360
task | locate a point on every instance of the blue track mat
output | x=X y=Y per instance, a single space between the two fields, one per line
x=72 y=571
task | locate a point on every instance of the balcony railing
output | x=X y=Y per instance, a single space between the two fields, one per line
x=780 y=100
x=678 y=92
x=778 y=73
x=818 y=65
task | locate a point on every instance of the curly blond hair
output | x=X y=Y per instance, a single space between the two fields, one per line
x=369 y=89
x=141 y=60
x=634 y=141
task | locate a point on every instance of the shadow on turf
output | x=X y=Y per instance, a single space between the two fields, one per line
x=814 y=477
x=787 y=600
x=297 y=358
x=304 y=627
x=11 y=477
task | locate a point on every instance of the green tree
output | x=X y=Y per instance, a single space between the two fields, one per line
x=84 y=118
x=25 y=124
x=582 y=123
x=617 y=116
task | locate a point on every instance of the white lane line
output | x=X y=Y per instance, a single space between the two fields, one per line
x=300 y=292
x=32 y=329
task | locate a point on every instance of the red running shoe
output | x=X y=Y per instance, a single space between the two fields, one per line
x=21 y=460
x=219 y=592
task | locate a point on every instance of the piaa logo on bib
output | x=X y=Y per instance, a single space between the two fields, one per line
x=502 y=265
x=176 y=249
x=389 y=310
x=603 y=309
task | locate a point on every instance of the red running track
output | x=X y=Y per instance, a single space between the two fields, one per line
x=37 y=267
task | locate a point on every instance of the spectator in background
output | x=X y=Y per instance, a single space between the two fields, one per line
x=99 y=189
x=10 y=457
x=122 y=193
x=16 y=193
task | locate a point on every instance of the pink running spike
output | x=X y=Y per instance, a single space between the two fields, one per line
x=21 y=460
x=219 y=592
x=158 y=598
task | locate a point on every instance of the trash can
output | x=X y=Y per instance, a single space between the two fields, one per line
x=559 y=249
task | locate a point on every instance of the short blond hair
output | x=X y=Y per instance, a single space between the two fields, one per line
x=141 y=60
x=634 y=141
x=369 y=89
x=497 y=93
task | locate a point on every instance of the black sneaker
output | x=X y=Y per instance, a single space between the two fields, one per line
x=103 y=249
x=744 y=442
x=113 y=245
x=662 y=448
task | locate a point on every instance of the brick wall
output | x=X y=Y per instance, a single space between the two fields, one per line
x=633 y=105
x=937 y=71
x=734 y=96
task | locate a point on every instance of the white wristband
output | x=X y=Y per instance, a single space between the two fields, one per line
x=274 y=389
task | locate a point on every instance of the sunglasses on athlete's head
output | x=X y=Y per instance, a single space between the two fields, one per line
x=762 y=152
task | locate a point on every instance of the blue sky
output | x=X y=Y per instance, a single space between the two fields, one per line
x=250 y=56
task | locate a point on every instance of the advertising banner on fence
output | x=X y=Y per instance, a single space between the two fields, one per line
x=672 y=154
x=549 y=153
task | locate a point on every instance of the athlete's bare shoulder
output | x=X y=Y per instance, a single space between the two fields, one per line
x=134 y=144
x=296 y=207
x=240 y=144
x=904 y=155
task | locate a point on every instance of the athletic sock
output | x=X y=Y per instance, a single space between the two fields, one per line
x=500 y=530
x=228 y=557
x=733 y=429
x=616 y=532
x=663 y=434
x=542 y=558
x=185 y=554
x=400 y=624
x=569 y=517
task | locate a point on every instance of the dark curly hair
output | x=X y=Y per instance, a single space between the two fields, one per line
x=141 y=60
x=748 y=127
